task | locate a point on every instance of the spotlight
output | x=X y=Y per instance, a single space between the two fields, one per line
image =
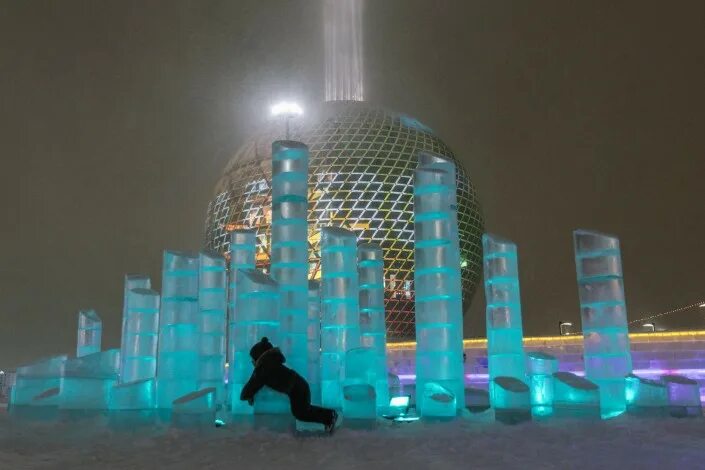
x=286 y=109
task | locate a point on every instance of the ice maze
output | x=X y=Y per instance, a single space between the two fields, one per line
x=184 y=357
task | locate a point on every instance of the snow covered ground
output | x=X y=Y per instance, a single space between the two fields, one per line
x=623 y=443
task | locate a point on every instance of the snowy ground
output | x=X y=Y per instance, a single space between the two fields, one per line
x=624 y=443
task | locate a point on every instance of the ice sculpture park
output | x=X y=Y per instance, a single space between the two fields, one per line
x=183 y=357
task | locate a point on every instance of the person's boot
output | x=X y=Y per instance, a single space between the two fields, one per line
x=330 y=427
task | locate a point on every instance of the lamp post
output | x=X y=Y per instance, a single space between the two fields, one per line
x=561 y=324
x=286 y=110
x=650 y=325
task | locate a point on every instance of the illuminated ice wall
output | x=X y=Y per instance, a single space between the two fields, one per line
x=313 y=335
x=212 y=304
x=90 y=330
x=607 y=354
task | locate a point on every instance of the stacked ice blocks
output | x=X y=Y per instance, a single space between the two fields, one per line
x=212 y=304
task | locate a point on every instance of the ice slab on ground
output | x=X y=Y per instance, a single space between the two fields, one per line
x=575 y=396
x=683 y=396
x=36 y=379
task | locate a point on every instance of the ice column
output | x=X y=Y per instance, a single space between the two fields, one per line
x=212 y=304
x=372 y=327
x=290 y=247
x=340 y=316
x=604 y=317
x=177 y=371
x=313 y=334
x=242 y=257
x=505 y=349
x=256 y=316
x=132 y=281
x=90 y=329
x=138 y=356
x=439 y=318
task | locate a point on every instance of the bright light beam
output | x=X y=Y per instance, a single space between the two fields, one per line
x=287 y=109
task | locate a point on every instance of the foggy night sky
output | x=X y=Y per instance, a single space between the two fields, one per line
x=117 y=117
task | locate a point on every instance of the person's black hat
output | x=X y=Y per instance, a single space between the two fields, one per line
x=260 y=348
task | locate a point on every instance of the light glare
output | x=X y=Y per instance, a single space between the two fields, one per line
x=287 y=108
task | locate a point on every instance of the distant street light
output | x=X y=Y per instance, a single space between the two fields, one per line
x=650 y=325
x=287 y=110
x=567 y=325
x=702 y=305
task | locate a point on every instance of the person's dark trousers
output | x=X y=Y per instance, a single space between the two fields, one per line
x=301 y=407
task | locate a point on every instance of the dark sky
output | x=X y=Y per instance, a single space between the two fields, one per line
x=116 y=118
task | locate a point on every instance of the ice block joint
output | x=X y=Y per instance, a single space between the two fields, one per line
x=340 y=315
x=438 y=303
x=604 y=317
x=290 y=246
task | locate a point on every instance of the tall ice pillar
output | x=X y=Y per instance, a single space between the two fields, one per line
x=505 y=349
x=212 y=303
x=372 y=327
x=90 y=329
x=132 y=281
x=290 y=246
x=138 y=356
x=607 y=355
x=340 y=316
x=439 y=316
x=177 y=369
x=313 y=334
x=242 y=257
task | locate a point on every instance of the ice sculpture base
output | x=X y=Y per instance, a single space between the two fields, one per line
x=437 y=401
x=477 y=400
x=646 y=397
x=359 y=402
x=79 y=393
x=196 y=409
x=683 y=396
x=512 y=400
x=575 y=396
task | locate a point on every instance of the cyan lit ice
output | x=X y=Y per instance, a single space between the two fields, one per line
x=505 y=348
x=683 y=396
x=541 y=367
x=372 y=326
x=138 y=357
x=439 y=401
x=242 y=257
x=90 y=330
x=289 y=252
x=196 y=409
x=139 y=395
x=645 y=396
x=131 y=281
x=179 y=339
x=607 y=355
x=512 y=400
x=340 y=315
x=313 y=335
x=575 y=396
x=87 y=381
x=439 y=321
x=38 y=384
x=212 y=304
x=361 y=378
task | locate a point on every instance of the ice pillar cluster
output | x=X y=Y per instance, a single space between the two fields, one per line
x=604 y=317
x=212 y=304
x=313 y=336
x=179 y=339
x=140 y=324
x=90 y=329
x=340 y=316
x=290 y=247
x=372 y=326
x=242 y=258
x=132 y=281
x=505 y=349
x=439 y=319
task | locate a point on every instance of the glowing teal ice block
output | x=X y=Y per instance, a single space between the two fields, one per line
x=505 y=349
x=38 y=384
x=359 y=394
x=242 y=257
x=196 y=409
x=645 y=396
x=138 y=357
x=607 y=356
x=212 y=304
x=179 y=341
x=87 y=381
x=256 y=316
x=340 y=309
x=313 y=335
x=372 y=328
x=541 y=367
x=132 y=281
x=439 y=318
x=289 y=251
x=90 y=329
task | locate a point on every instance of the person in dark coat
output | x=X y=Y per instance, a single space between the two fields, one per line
x=271 y=371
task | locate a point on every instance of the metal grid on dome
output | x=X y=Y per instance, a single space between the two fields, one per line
x=362 y=166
